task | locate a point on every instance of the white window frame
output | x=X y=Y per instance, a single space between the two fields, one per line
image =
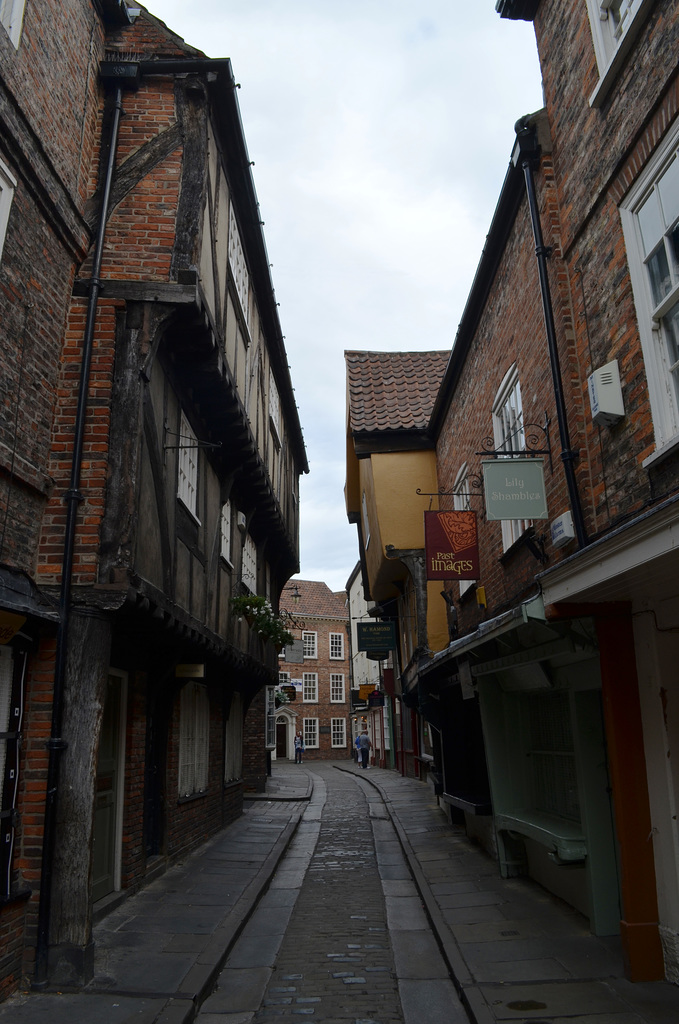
x=225 y=520
x=271 y=718
x=615 y=25
x=249 y=564
x=337 y=688
x=275 y=410
x=187 y=467
x=310 y=687
x=194 y=740
x=12 y=17
x=338 y=732
x=663 y=393
x=8 y=184
x=509 y=434
x=462 y=503
x=284 y=679
x=310 y=643
x=239 y=270
x=336 y=642
x=310 y=733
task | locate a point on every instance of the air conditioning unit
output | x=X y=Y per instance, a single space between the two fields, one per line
x=242 y=522
x=605 y=395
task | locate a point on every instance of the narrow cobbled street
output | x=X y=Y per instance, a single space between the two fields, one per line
x=344 y=895
x=324 y=939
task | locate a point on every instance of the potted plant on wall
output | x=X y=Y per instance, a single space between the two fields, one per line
x=260 y=616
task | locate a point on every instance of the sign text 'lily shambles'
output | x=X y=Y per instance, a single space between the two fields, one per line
x=451 y=545
x=515 y=489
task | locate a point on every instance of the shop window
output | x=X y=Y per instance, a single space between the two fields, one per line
x=194 y=739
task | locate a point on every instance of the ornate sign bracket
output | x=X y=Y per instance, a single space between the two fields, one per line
x=531 y=441
x=477 y=492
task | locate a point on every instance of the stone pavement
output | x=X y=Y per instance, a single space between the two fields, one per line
x=341 y=935
x=515 y=952
x=366 y=875
x=158 y=954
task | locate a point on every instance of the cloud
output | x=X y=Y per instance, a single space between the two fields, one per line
x=381 y=134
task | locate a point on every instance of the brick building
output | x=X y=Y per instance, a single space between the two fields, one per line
x=318 y=665
x=150 y=450
x=391 y=482
x=554 y=705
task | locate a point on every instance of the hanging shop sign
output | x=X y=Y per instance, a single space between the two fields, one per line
x=189 y=671
x=294 y=652
x=364 y=691
x=376 y=637
x=451 y=545
x=514 y=488
x=376 y=699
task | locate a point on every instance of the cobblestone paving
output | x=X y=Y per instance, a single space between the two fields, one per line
x=335 y=962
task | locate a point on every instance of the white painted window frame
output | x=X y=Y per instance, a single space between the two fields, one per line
x=509 y=435
x=8 y=184
x=337 y=689
x=461 y=503
x=271 y=718
x=11 y=18
x=613 y=38
x=187 y=467
x=338 y=732
x=663 y=397
x=225 y=521
x=249 y=564
x=238 y=265
x=336 y=642
x=310 y=687
x=310 y=733
x=194 y=739
x=275 y=410
x=310 y=643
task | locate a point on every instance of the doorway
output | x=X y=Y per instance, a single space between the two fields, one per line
x=281 y=739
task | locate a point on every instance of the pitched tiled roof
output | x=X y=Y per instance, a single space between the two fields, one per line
x=393 y=390
x=314 y=599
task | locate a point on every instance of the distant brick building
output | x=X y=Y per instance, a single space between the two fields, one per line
x=321 y=676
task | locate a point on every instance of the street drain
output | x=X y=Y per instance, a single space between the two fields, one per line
x=509 y=933
x=527 y=1004
x=439 y=828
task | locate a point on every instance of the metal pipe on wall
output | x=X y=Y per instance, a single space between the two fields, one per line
x=56 y=744
x=526 y=154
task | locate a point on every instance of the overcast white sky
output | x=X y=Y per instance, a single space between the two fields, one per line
x=381 y=131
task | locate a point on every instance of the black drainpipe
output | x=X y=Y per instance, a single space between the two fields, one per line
x=56 y=745
x=125 y=74
x=526 y=154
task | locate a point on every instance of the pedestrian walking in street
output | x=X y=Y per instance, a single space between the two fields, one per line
x=357 y=752
x=365 y=747
x=299 y=748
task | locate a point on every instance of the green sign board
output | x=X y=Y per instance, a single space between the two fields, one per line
x=514 y=488
x=376 y=636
